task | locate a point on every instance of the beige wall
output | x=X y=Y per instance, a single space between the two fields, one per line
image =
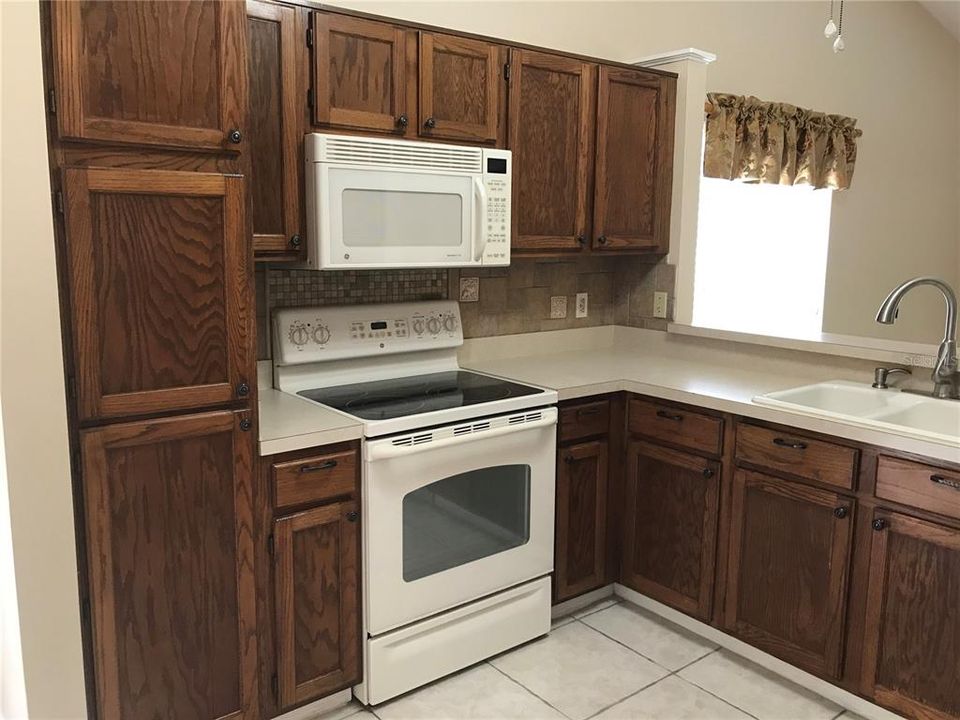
x=900 y=76
x=32 y=388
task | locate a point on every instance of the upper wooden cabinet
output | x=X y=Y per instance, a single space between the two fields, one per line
x=359 y=75
x=169 y=527
x=462 y=88
x=552 y=104
x=166 y=74
x=160 y=281
x=275 y=122
x=634 y=167
x=912 y=635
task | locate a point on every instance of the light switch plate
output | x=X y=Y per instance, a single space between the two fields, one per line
x=558 y=307
x=660 y=304
x=469 y=289
x=581 y=305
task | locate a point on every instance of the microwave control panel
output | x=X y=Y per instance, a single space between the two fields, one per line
x=497 y=171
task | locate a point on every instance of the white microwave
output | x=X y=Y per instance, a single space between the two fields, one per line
x=375 y=203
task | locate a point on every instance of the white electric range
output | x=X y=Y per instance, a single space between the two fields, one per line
x=457 y=492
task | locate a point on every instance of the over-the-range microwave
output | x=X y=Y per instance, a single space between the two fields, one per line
x=375 y=203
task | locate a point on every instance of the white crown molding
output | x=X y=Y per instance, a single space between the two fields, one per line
x=691 y=54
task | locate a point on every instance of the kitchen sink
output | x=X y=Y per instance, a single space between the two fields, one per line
x=890 y=410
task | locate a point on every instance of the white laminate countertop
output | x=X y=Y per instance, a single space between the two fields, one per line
x=288 y=422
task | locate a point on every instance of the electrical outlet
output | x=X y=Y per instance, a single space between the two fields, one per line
x=581 y=305
x=660 y=304
x=558 y=307
x=469 y=289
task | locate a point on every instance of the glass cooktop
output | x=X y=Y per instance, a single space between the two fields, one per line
x=398 y=397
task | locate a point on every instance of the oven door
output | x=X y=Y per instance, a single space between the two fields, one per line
x=456 y=513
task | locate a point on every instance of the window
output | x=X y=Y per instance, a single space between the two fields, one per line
x=761 y=258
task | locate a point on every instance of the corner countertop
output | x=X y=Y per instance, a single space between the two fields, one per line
x=289 y=423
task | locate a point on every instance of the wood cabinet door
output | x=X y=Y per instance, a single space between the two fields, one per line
x=169 y=525
x=317 y=577
x=358 y=80
x=275 y=123
x=634 y=170
x=552 y=106
x=167 y=73
x=788 y=568
x=160 y=277
x=670 y=527
x=912 y=638
x=461 y=83
x=581 y=525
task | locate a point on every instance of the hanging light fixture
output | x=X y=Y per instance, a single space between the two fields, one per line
x=831 y=29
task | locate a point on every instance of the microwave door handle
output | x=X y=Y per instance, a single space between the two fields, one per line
x=480 y=194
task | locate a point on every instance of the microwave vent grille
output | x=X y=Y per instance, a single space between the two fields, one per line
x=415 y=156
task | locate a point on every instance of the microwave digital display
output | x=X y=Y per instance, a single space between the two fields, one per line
x=379 y=325
x=497 y=165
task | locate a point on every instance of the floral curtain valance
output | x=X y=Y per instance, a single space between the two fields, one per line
x=751 y=140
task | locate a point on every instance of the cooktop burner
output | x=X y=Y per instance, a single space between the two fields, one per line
x=398 y=397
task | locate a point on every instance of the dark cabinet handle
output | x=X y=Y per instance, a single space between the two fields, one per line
x=246 y=424
x=581 y=240
x=295 y=241
x=669 y=416
x=243 y=389
x=879 y=524
x=941 y=480
x=602 y=239
x=588 y=411
x=353 y=516
x=235 y=136
x=792 y=444
x=708 y=473
x=430 y=123
x=402 y=121
x=325 y=465
x=841 y=512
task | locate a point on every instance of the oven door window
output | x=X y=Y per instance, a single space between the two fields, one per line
x=464 y=518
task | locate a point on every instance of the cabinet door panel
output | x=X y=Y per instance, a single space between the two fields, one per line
x=358 y=73
x=552 y=104
x=581 y=539
x=671 y=527
x=160 y=284
x=170 y=553
x=460 y=87
x=634 y=171
x=186 y=88
x=317 y=602
x=790 y=555
x=912 y=639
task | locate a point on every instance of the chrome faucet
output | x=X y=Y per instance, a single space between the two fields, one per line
x=946 y=376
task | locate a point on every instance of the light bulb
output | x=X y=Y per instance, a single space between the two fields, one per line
x=831 y=29
x=838 y=44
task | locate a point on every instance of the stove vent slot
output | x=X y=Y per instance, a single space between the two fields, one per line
x=471 y=428
x=411 y=440
x=528 y=417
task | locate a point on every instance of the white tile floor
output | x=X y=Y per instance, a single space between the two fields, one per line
x=611 y=661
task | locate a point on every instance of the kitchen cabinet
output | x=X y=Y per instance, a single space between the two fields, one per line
x=160 y=285
x=912 y=634
x=634 y=160
x=789 y=564
x=552 y=117
x=169 y=525
x=670 y=539
x=276 y=128
x=170 y=74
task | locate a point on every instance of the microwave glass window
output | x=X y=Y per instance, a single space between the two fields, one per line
x=394 y=218
x=465 y=517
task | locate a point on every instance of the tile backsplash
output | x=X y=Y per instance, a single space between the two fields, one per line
x=515 y=299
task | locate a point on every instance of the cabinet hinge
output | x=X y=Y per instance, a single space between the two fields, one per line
x=85 y=609
x=71 y=387
x=309 y=37
x=270 y=544
x=58 y=201
x=75 y=462
x=275 y=686
x=310 y=98
x=506 y=72
x=52 y=101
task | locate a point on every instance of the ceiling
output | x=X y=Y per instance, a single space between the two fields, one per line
x=947 y=12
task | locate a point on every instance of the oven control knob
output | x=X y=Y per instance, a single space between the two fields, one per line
x=433 y=325
x=450 y=323
x=298 y=334
x=321 y=334
x=418 y=326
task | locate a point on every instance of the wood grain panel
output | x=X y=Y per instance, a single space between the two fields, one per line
x=797 y=454
x=315 y=478
x=581 y=528
x=584 y=419
x=790 y=555
x=316 y=571
x=104 y=95
x=170 y=550
x=676 y=426
x=923 y=486
x=671 y=527
x=160 y=289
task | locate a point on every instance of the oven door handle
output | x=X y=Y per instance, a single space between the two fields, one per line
x=480 y=193
x=385 y=449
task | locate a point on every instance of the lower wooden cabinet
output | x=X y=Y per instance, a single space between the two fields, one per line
x=788 y=569
x=317 y=601
x=581 y=527
x=912 y=635
x=169 y=524
x=670 y=523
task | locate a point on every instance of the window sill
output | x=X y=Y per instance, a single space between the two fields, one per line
x=863 y=348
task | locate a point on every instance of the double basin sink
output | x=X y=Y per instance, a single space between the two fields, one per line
x=917 y=416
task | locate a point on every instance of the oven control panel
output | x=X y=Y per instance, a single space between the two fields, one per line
x=318 y=334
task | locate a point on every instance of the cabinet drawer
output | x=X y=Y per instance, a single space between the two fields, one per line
x=584 y=419
x=678 y=427
x=923 y=486
x=795 y=454
x=312 y=479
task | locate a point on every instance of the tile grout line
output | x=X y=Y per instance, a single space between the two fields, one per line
x=524 y=687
